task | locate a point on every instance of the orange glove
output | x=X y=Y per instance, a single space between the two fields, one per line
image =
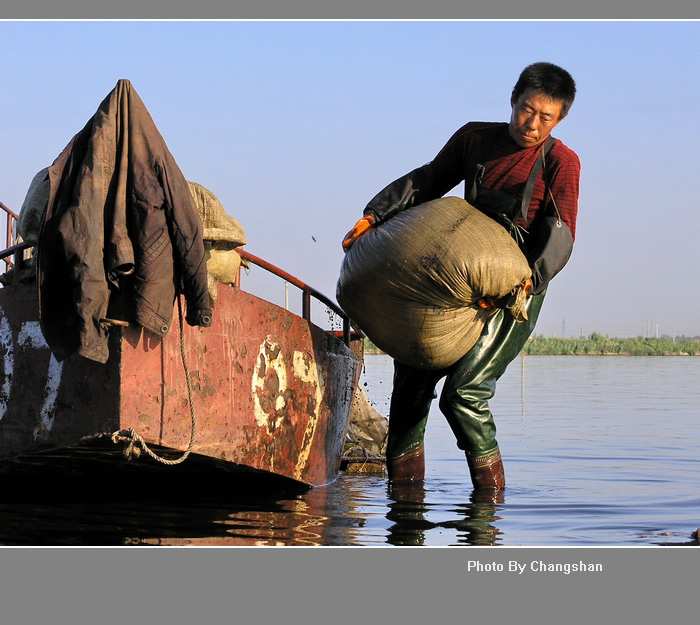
x=527 y=285
x=487 y=303
x=357 y=231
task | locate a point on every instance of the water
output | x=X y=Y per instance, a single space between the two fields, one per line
x=599 y=451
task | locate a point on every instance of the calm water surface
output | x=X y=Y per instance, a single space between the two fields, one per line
x=599 y=451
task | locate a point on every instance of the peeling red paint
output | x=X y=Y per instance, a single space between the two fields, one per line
x=270 y=390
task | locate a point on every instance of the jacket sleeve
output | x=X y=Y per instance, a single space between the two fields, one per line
x=188 y=243
x=423 y=184
x=411 y=189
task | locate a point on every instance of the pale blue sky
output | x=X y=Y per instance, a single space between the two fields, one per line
x=296 y=125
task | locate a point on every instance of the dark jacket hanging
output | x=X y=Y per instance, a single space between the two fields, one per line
x=121 y=234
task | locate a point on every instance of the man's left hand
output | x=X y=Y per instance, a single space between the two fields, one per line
x=362 y=226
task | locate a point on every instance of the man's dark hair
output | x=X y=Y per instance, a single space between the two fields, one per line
x=552 y=80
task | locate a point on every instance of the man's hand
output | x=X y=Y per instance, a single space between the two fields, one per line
x=357 y=231
x=490 y=303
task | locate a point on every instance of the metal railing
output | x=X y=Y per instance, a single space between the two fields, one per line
x=16 y=252
x=307 y=292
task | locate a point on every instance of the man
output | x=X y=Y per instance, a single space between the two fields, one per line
x=494 y=160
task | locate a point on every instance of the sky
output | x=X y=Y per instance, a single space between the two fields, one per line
x=296 y=125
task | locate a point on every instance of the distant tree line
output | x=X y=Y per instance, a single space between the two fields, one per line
x=599 y=345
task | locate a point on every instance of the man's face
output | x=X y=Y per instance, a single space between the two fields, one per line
x=533 y=118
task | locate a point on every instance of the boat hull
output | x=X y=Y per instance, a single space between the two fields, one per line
x=269 y=391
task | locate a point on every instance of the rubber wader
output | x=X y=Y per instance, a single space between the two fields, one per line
x=468 y=386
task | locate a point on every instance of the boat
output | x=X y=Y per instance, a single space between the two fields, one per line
x=262 y=391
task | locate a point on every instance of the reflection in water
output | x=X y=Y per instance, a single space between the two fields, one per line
x=255 y=524
x=54 y=500
x=479 y=515
x=253 y=521
x=61 y=508
x=408 y=510
x=588 y=463
x=51 y=501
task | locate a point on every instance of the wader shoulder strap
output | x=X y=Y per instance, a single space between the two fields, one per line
x=530 y=185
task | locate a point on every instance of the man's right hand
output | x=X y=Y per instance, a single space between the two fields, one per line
x=357 y=231
x=490 y=303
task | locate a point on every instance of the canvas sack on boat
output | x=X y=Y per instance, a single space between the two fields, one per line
x=33 y=208
x=222 y=235
x=412 y=283
x=31 y=215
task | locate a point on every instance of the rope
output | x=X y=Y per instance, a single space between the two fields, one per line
x=517 y=303
x=135 y=441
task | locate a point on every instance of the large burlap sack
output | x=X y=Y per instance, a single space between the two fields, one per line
x=222 y=235
x=218 y=225
x=412 y=283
